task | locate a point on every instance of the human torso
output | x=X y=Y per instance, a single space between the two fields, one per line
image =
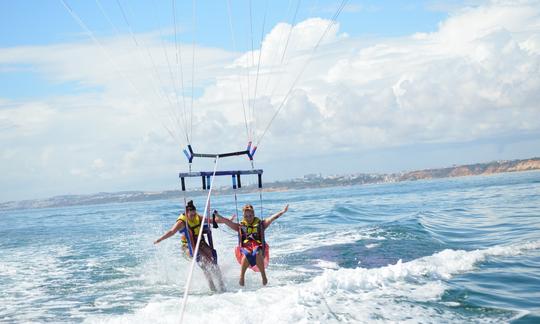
x=193 y=225
x=251 y=231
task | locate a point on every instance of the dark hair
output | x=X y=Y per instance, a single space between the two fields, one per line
x=190 y=205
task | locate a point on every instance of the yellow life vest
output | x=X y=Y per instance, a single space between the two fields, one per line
x=193 y=225
x=251 y=231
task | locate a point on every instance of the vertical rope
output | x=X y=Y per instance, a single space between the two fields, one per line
x=239 y=78
x=193 y=72
x=249 y=67
x=185 y=203
x=174 y=113
x=261 y=201
x=258 y=69
x=178 y=54
x=194 y=260
x=236 y=205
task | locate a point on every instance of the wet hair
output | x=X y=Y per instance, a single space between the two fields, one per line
x=190 y=205
x=247 y=207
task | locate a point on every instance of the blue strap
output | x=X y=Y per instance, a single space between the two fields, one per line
x=186 y=233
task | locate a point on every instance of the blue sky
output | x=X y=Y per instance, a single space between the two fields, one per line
x=393 y=86
x=35 y=22
x=31 y=23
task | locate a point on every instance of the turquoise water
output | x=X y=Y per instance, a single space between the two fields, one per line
x=451 y=250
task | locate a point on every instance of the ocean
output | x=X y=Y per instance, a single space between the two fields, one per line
x=435 y=251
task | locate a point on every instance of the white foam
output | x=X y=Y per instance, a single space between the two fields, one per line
x=441 y=265
x=327 y=264
x=372 y=245
x=394 y=293
x=31 y=273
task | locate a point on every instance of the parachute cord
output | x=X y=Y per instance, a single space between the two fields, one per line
x=258 y=69
x=293 y=22
x=332 y=22
x=249 y=66
x=236 y=205
x=239 y=79
x=154 y=66
x=81 y=23
x=261 y=202
x=193 y=70
x=197 y=245
x=171 y=74
x=179 y=64
x=185 y=203
x=117 y=32
x=290 y=31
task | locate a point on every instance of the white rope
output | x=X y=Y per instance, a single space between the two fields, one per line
x=273 y=66
x=258 y=69
x=194 y=260
x=310 y=58
x=239 y=78
x=194 y=7
x=290 y=31
x=174 y=112
x=157 y=82
x=248 y=70
x=90 y=34
x=179 y=65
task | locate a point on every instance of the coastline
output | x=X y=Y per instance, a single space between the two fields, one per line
x=306 y=182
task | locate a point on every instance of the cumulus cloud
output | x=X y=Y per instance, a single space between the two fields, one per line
x=477 y=76
x=473 y=78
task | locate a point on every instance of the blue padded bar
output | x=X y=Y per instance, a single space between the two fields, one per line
x=218 y=173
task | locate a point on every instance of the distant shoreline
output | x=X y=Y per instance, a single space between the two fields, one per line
x=306 y=182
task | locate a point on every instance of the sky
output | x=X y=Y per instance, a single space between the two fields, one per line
x=102 y=96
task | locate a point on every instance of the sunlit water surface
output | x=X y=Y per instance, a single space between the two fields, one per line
x=451 y=250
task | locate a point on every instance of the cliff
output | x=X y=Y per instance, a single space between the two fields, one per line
x=308 y=181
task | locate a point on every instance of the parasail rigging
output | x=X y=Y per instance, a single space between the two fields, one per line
x=173 y=83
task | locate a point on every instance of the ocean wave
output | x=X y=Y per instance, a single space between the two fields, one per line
x=394 y=293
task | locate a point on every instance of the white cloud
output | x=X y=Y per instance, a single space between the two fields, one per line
x=469 y=80
x=477 y=76
x=24 y=119
x=98 y=164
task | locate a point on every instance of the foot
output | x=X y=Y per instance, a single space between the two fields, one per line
x=241 y=282
x=264 y=280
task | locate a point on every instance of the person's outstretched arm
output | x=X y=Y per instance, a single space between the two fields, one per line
x=175 y=228
x=272 y=218
x=220 y=219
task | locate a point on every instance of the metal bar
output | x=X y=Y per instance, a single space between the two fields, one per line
x=248 y=151
x=218 y=173
x=221 y=155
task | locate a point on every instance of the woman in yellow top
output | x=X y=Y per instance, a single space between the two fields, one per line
x=208 y=257
x=251 y=237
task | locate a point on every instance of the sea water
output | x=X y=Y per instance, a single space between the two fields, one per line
x=437 y=251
